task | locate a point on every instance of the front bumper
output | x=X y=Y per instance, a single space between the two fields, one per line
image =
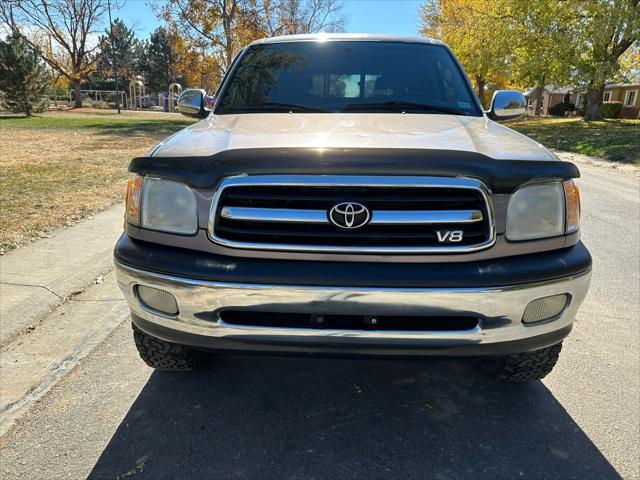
x=499 y=308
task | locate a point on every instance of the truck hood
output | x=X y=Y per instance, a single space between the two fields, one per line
x=351 y=130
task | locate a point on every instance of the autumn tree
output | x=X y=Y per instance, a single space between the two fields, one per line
x=289 y=17
x=474 y=31
x=630 y=64
x=194 y=64
x=223 y=26
x=541 y=37
x=218 y=29
x=606 y=30
x=61 y=30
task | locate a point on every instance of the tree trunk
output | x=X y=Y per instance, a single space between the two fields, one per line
x=480 y=84
x=538 y=111
x=76 y=93
x=593 y=110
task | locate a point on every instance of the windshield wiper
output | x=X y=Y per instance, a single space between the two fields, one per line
x=404 y=106
x=278 y=107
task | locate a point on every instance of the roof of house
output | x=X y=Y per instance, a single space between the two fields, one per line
x=618 y=85
x=551 y=89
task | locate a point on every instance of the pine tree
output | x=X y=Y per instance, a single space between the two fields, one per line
x=160 y=59
x=24 y=79
x=119 y=45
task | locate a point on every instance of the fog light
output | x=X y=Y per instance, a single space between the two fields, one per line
x=545 y=308
x=158 y=300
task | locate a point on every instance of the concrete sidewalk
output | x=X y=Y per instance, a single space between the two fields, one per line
x=39 y=277
x=58 y=300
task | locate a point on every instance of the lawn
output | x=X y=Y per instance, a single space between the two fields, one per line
x=60 y=167
x=613 y=139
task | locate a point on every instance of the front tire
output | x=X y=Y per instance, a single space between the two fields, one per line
x=524 y=367
x=166 y=356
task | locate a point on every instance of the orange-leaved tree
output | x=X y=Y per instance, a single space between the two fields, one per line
x=475 y=31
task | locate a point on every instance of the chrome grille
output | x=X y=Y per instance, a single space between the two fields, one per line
x=406 y=214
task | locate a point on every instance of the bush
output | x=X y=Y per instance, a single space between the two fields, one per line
x=560 y=109
x=611 y=109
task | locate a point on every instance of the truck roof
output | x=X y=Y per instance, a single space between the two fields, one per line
x=355 y=37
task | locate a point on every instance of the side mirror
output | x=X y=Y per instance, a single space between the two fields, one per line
x=507 y=105
x=192 y=103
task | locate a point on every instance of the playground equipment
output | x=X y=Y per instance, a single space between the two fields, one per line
x=100 y=96
x=168 y=100
x=174 y=92
x=136 y=92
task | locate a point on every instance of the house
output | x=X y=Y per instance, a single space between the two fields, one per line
x=550 y=96
x=627 y=94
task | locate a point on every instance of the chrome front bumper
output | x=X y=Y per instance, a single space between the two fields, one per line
x=500 y=310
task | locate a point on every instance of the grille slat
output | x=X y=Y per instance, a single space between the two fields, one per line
x=440 y=204
x=370 y=235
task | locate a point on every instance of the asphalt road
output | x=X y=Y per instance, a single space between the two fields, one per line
x=276 y=418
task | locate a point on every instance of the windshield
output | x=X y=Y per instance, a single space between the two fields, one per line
x=347 y=76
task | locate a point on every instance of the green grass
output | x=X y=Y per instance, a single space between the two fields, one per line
x=106 y=122
x=611 y=139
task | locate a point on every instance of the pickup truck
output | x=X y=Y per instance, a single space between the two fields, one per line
x=348 y=195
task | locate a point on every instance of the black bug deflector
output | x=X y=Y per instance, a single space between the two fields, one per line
x=501 y=176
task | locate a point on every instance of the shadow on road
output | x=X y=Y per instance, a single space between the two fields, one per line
x=276 y=418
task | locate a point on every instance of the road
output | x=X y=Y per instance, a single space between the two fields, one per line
x=273 y=418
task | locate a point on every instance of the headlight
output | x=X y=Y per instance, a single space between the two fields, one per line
x=163 y=205
x=536 y=211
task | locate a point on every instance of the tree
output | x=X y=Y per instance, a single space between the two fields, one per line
x=24 y=79
x=473 y=30
x=194 y=65
x=220 y=28
x=158 y=69
x=61 y=30
x=117 y=48
x=541 y=34
x=606 y=31
x=289 y=17
x=630 y=64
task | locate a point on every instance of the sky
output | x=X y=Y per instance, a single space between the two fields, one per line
x=399 y=17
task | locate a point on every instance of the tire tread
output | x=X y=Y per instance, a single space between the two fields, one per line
x=527 y=366
x=166 y=356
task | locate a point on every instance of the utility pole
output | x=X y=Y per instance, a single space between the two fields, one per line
x=115 y=65
x=53 y=75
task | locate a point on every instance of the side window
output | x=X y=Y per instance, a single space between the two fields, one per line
x=606 y=97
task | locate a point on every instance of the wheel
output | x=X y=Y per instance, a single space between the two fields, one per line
x=524 y=367
x=166 y=356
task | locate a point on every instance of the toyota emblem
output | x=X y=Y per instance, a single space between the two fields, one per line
x=349 y=215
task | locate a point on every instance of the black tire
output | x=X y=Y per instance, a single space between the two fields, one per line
x=166 y=356
x=524 y=367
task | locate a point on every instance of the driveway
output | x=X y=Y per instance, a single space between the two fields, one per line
x=273 y=418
